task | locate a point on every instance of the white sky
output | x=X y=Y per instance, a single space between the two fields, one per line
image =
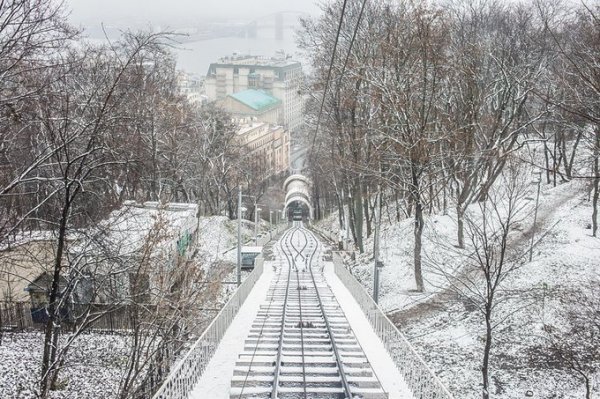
x=93 y=12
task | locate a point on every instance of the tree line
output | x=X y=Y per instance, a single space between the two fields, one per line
x=430 y=100
x=84 y=127
x=448 y=107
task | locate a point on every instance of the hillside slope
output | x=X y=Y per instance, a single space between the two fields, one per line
x=534 y=305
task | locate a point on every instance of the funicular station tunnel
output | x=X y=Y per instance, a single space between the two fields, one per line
x=297 y=198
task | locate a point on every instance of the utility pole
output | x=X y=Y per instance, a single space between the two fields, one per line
x=376 y=265
x=239 y=237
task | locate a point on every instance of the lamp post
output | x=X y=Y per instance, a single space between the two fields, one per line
x=256 y=217
x=239 y=238
x=270 y=224
x=377 y=264
x=538 y=180
x=239 y=234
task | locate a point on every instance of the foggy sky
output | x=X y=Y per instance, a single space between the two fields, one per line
x=92 y=12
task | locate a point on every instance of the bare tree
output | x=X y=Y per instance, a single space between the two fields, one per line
x=75 y=117
x=573 y=344
x=489 y=227
x=408 y=88
x=575 y=37
x=488 y=94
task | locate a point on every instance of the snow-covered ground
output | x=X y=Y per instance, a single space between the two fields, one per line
x=96 y=362
x=217 y=237
x=95 y=365
x=448 y=331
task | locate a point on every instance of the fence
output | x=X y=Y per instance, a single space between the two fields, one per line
x=264 y=239
x=418 y=376
x=18 y=316
x=334 y=238
x=184 y=376
x=15 y=315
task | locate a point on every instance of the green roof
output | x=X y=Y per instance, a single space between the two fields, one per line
x=258 y=100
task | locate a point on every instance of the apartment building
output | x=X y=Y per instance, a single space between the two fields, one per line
x=278 y=76
x=255 y=104
x=267 y=147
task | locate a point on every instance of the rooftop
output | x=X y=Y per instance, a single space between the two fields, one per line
x=279 y=60
x=280 y=63
x=128 y=229
x=258 y=100
x=249 y=126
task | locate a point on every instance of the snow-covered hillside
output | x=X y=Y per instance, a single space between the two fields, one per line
x=533 y=307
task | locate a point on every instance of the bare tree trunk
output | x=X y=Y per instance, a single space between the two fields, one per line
x=460 y=218
x=486 y=351
x=358 y=218
x=418 y=230
x=547 y=161
x=554 y=164
x=418 y=246
x=445 y=200
x=588 y=386
x=367 y=213
x=596 y=184
x=397 y=205
x=569 y=165
x=1 y=326
x=50 y=331
x=340 y=211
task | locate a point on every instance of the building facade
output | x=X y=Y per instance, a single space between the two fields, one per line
x=277 y=76
x=255 y=104
x=267 y=147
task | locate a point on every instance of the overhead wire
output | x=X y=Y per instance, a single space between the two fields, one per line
x=354 y=34
x=335 y=44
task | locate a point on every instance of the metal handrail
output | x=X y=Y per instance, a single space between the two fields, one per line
x=184 y=376
x=421 y=380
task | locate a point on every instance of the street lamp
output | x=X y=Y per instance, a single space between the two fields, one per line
x=536 y=179
x=256 y=218
x=270 y=224
x=239 y=238
x=377 y=264
x=239 y=234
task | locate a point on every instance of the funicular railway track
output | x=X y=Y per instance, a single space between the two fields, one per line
x=300 y=345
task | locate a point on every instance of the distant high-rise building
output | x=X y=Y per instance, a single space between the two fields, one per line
x=278 y=76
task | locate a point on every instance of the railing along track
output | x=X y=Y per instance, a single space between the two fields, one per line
x=306 y=348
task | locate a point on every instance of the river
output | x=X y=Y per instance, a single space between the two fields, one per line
x=196 y=57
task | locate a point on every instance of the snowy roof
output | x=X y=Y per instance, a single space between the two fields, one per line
x=258 y=100
x=134 y=225
x=251 y=249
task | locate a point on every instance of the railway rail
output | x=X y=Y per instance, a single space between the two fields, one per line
x=300 y=345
